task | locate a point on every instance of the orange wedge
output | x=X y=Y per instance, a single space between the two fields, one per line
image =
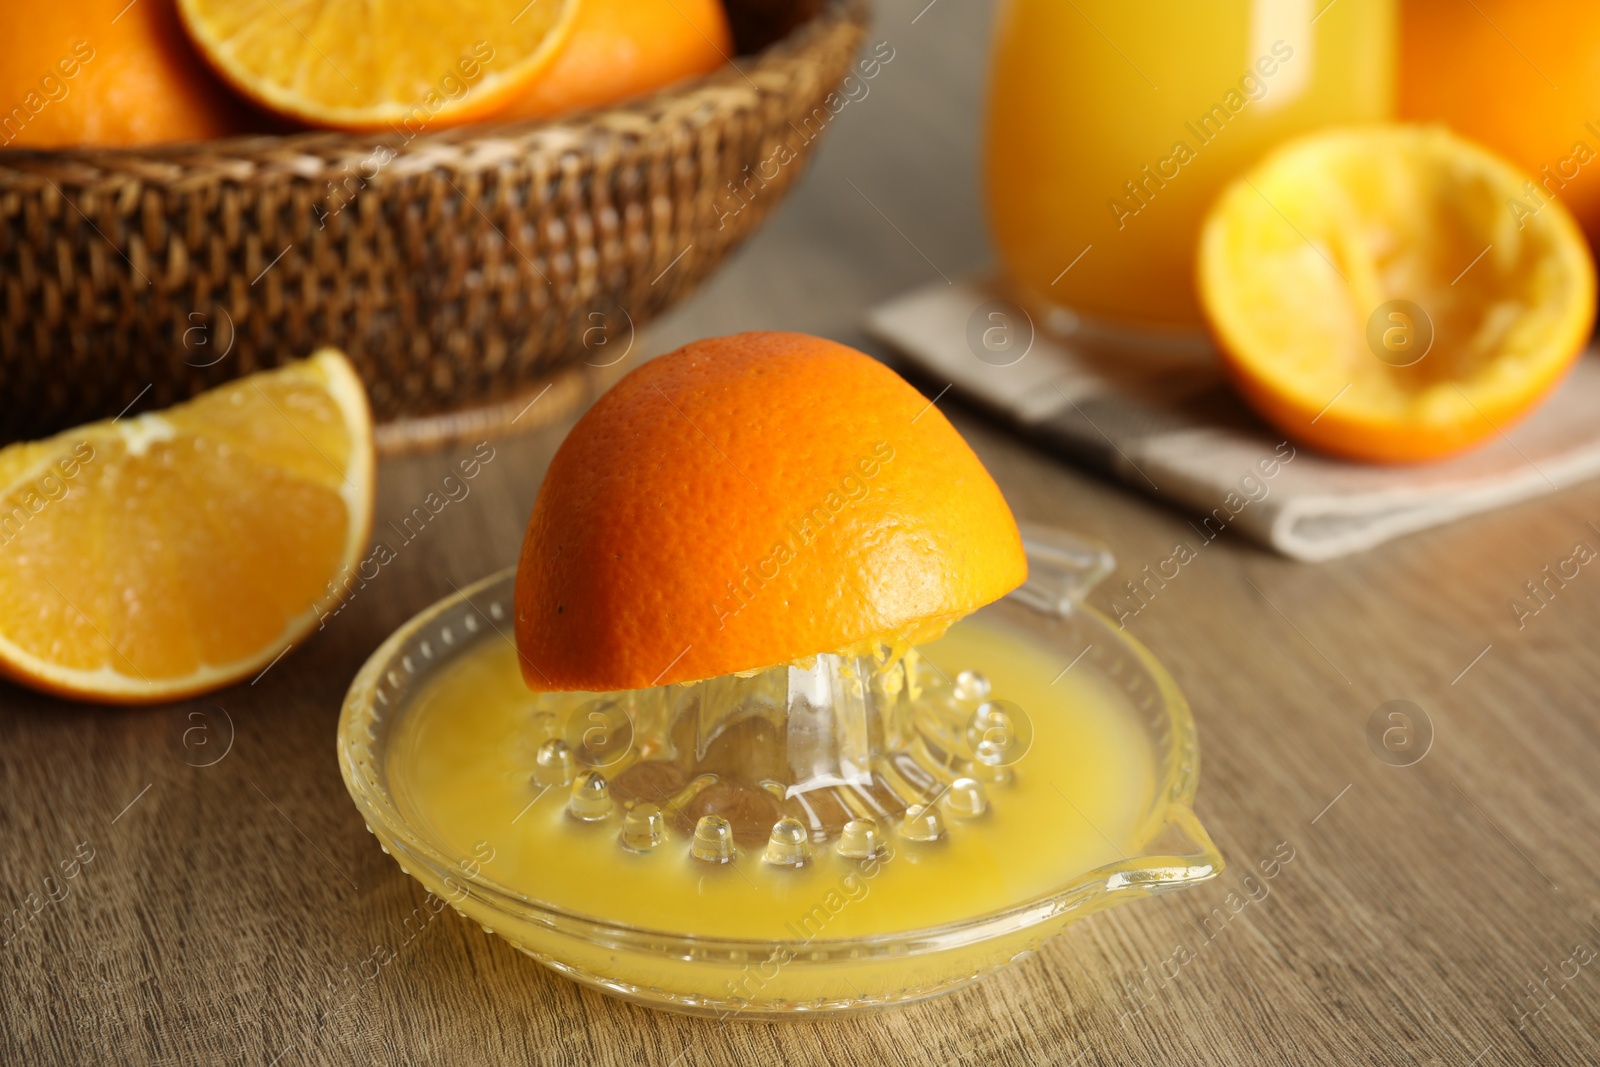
x=155 y=557
x=1393 y=293
x=349 y=64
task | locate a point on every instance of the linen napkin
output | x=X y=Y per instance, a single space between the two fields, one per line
x=1167 y=423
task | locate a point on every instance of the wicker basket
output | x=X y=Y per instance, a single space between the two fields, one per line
x=465 y=270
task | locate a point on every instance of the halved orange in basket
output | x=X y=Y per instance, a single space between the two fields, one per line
x=158 y=556
x=356 y=65
x=1393 y=293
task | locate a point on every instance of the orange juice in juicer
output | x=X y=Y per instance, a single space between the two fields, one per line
x=779 y=711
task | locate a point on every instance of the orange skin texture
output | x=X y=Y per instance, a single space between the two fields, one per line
x=750 y=500
x=1458 y=66
x=143 y=82
x=620 y=49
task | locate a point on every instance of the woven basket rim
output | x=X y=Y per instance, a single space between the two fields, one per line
x=742 y=76
x=456 y=267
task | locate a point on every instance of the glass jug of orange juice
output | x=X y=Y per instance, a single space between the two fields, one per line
x=1113 y=125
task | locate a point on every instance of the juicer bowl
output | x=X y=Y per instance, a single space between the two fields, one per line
x=696 y=973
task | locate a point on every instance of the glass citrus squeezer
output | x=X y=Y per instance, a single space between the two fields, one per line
x=838 y=833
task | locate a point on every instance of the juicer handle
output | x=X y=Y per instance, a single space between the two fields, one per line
x=1062 y=568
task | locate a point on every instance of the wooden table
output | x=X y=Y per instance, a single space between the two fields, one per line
x=1441 y=913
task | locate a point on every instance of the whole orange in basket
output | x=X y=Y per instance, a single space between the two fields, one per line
x=106 y=72
x=1522 y=78
x=746 y=501
x=351 y=64
x=1375 y=295
x=156 y=556
x=619 y=49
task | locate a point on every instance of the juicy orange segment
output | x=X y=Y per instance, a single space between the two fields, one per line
x=1395 y=293
x=166 y=554
x=356 y=65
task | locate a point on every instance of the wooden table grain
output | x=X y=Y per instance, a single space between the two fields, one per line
x=206 y=892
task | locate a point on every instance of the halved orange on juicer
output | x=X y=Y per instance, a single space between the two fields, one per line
x=1393 y=293
x=747 y=501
